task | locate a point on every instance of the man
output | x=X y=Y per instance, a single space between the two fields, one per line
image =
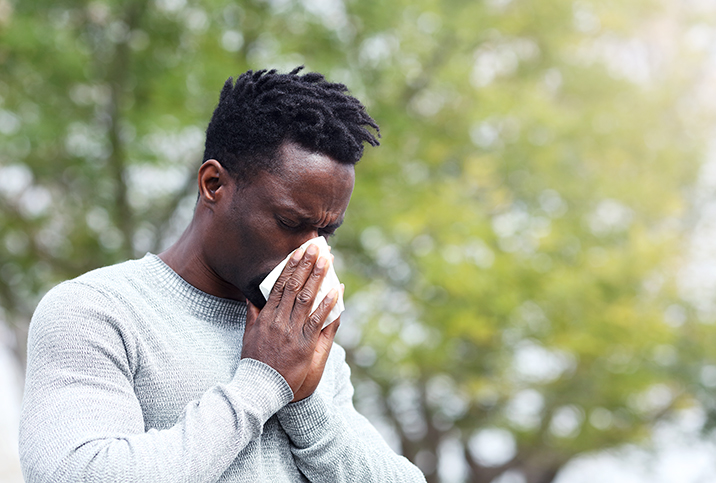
x=173 y=367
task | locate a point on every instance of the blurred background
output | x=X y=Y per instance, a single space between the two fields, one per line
x=529 y=255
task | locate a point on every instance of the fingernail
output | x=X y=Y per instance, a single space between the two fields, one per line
x=297 y=255
x=312 y=249
x=332 y=295
x=321 y=263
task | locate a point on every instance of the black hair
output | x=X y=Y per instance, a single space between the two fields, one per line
x=264 y=109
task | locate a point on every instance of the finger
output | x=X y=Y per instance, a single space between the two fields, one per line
x=315 y=322
x=329 y=331
x=301 y=273
x=325 y=341
x=306 y=297
x=278 y=287
x=252 y=313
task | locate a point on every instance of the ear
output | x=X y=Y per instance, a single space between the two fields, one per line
x=212 y=178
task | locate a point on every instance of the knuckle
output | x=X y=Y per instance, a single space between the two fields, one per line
x=278 y=287
x=304 y=297
x=326 y=303
x=292 y=285
x=316 y=318
x=281 y=280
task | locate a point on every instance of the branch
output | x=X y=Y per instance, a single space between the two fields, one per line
x=118 y=78
x=165 y=217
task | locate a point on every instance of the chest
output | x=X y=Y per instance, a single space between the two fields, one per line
x=178 y=358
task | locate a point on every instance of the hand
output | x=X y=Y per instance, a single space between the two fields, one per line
x=318 y=363
x=320 y=356
x=285 y=334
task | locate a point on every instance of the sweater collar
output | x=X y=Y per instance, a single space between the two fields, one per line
x=197 y=302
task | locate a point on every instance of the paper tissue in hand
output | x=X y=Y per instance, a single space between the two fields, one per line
x=330 y=280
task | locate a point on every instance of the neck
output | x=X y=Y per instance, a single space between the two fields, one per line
x=186 y=258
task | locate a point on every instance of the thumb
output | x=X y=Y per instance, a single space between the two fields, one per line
x=252 y=313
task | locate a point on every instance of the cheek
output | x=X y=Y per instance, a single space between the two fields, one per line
x=264 y=252
x=261 y=244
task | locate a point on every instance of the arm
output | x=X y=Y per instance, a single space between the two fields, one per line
x=81 y=420
x=332 y=442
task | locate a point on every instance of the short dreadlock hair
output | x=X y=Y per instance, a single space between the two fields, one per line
x=264 y=109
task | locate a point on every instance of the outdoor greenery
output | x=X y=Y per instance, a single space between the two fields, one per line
x=511 y=249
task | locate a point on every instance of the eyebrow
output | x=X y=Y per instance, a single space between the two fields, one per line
x=306 y=220
x=333 y=226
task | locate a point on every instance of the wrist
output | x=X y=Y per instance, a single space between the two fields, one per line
x=305 y=421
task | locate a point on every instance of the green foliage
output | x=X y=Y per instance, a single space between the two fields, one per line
x=510 y=249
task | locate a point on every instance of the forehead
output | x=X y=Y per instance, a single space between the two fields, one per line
x=308 y=182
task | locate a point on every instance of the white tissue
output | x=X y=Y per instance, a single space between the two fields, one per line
x=330 y=281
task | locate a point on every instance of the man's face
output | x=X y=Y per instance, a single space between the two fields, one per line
x=260 y=223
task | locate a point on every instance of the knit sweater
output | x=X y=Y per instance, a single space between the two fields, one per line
x=134 y=375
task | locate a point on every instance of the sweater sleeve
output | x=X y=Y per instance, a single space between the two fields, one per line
x=82 y=422
x=332 y=442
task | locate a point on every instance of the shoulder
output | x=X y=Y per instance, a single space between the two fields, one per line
x=81 y=302
x=97 y=285
x=112 y=278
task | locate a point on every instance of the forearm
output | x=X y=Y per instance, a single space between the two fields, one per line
x=76 y=434
x=330 y=448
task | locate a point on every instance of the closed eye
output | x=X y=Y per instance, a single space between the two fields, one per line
x=298 y=226
x=286 y=224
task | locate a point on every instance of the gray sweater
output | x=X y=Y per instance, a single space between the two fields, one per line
x=134 y=375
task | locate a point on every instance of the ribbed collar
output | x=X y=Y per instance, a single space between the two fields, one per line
x=200 y=304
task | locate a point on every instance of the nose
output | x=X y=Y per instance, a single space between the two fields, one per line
x=311 y=234
x=304 y=237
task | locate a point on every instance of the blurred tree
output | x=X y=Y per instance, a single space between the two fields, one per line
x=510 y=248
